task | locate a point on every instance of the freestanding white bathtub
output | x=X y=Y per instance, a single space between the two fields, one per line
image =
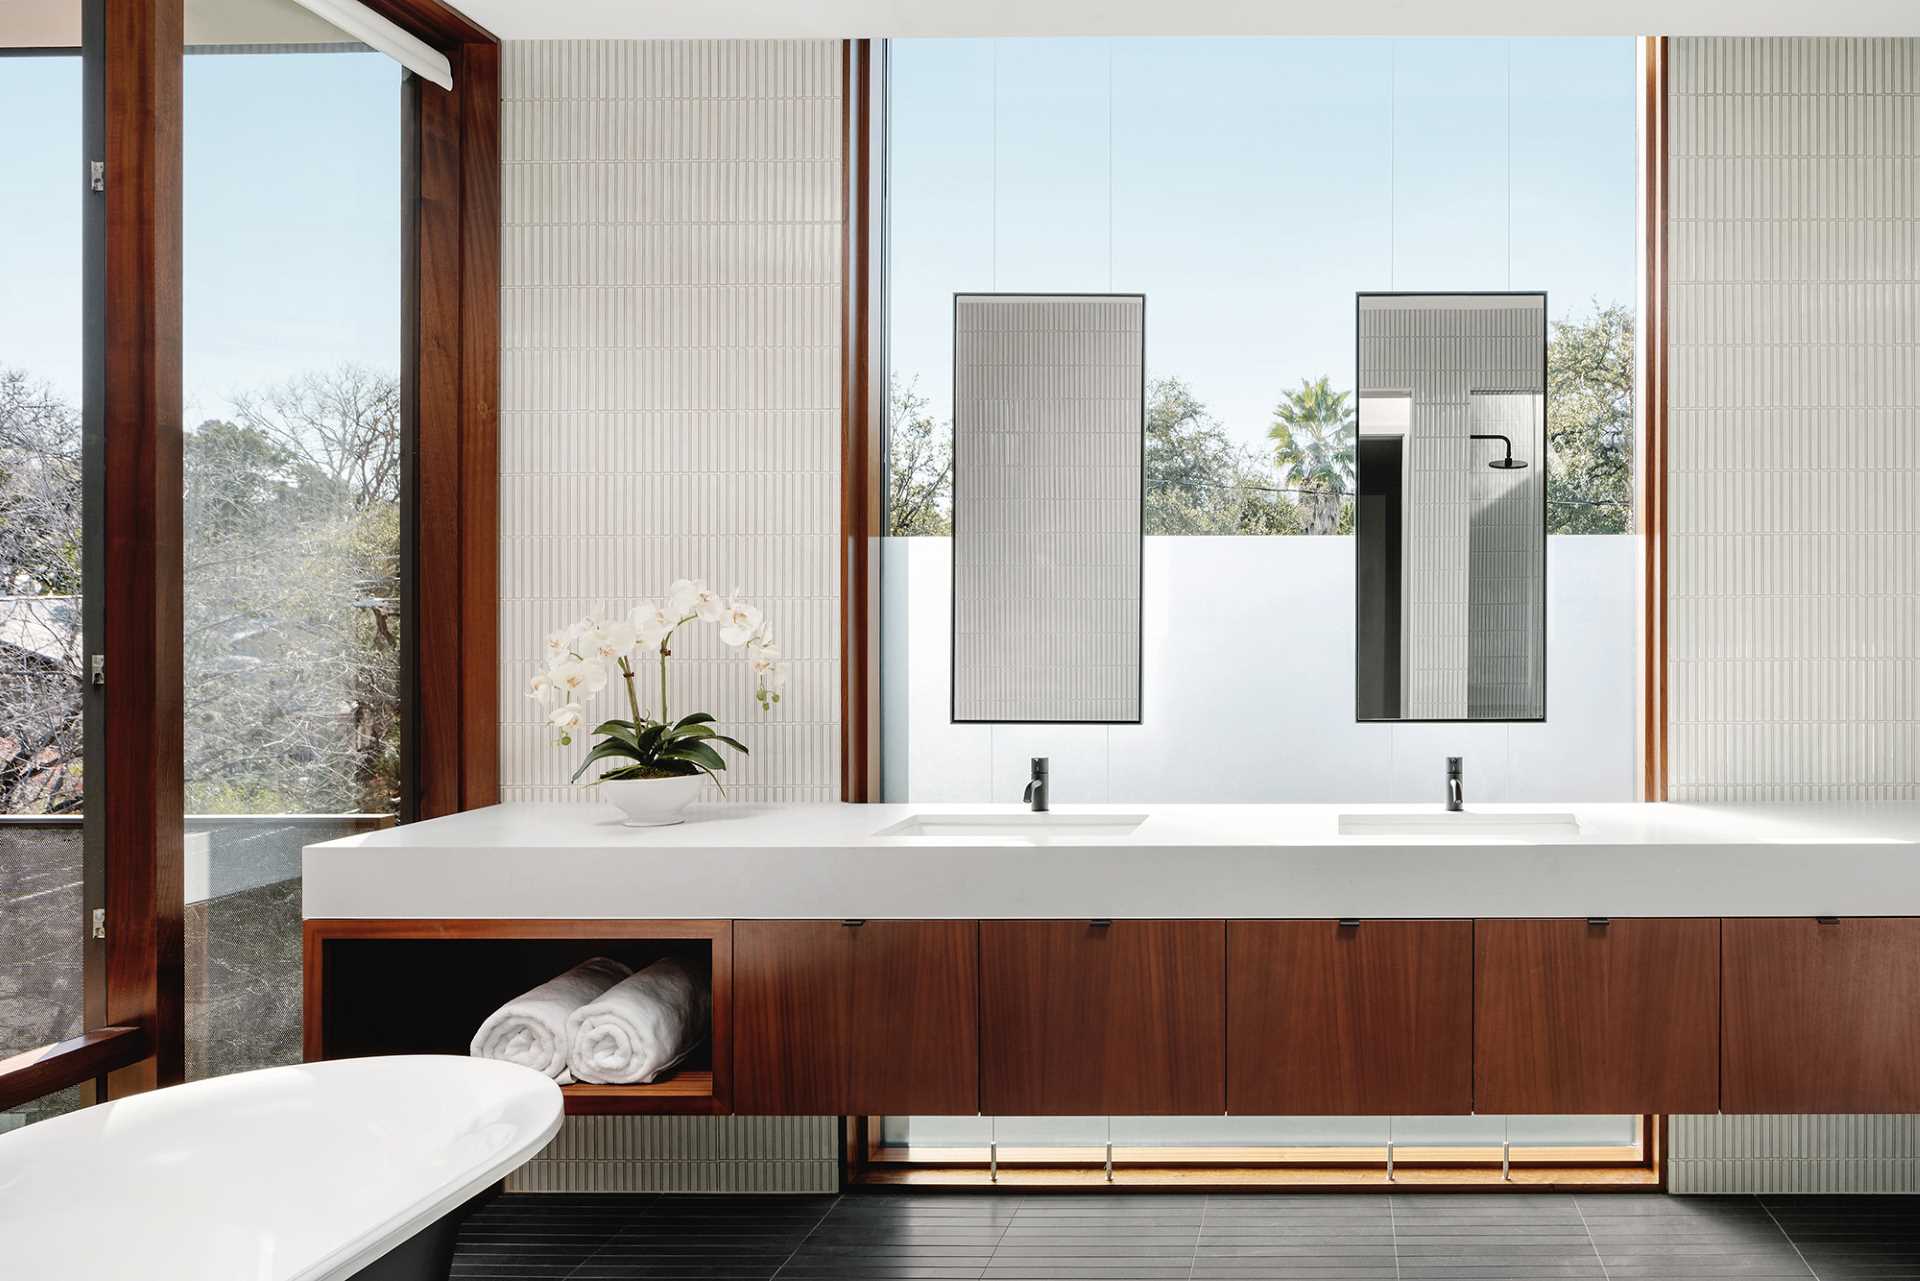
x=327 y=1170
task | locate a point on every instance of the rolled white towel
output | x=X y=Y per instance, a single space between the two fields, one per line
x=642 y=1026
x=531 y=1029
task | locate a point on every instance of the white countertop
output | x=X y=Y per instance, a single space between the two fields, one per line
x=1197 y=861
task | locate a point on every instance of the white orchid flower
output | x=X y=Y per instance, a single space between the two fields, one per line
x=558 y=643
x=738 y=623
x=566 y=718
x=765 y=659
x=540 y=687
x=610 y=641
x=653 y=623
x=579 y=627
x=578 y=675
x=707 y=604
x=682 y=594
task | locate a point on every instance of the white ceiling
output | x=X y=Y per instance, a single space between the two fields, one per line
x=55 y=24
x=578 y=19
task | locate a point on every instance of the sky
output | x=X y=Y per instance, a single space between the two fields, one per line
x=292 y=219
x=1250 y=187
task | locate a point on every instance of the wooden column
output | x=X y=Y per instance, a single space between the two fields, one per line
x=141 y=525
x=862 y=440
x=451 y=397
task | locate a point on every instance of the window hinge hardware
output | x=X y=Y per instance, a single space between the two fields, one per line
x=99 y=922
x=96 y=669
x=97 y=175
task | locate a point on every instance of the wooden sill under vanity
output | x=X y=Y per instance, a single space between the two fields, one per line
x=1636 y=1166
x=425 y=986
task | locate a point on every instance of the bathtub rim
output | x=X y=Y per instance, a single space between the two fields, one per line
x=408 y=1220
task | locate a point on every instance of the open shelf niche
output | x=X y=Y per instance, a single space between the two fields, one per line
x=425 y=986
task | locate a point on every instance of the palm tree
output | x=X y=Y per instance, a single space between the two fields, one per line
x=1313 y=434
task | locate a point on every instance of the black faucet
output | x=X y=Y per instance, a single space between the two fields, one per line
x=1454 y=796
x=1036 y=794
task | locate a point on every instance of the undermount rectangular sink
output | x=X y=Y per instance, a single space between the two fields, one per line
x=1026 y=826
x=1532 y=826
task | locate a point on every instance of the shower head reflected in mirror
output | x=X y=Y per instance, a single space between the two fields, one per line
x=1509 y=463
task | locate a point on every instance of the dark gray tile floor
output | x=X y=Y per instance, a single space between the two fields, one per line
x=1284 y=1237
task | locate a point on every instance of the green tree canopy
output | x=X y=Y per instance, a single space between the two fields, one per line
x=1590 y=423
x=919 y=465
x=1198 y=481
x=1313 y=445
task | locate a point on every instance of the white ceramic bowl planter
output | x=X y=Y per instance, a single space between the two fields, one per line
x=652 y=802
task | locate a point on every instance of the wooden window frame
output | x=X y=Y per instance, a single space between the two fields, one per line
x=136 y=977
x=863 y=414
x=1650 y=453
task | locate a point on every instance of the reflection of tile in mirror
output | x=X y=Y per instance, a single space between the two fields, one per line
x=1465 y=649
x=1048 y=430
x=1506 y=590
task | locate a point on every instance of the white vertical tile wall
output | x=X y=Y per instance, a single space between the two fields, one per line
x=670 y=397
x=1794 y=545
x=1793 y=538
x=670 y=405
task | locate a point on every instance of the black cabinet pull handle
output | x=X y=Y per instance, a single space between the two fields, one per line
x=1599 y=922
x=1349 y=922
x=852 y=924
x=1101 y=922
x=1826 y=920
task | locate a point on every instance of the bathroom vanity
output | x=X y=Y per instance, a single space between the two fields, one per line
x=1184 y=960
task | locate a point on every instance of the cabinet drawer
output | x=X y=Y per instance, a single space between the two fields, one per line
x=1080 y=1018
x=1367 y=1020
x=1573 y=1017
x=1821 y=1017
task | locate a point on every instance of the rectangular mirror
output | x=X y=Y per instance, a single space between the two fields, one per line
x=1450 y=509
x=1049 y=434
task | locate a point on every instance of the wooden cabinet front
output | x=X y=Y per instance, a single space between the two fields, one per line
x=792 y=1017
x=1081 y=1018
x=1579 y=1017
x=1821 y=1016
x=833 y=1018
x=916 y=1018
x=1367 y=1020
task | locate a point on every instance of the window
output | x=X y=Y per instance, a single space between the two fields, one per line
x=42 y=665
x=292 y=460
x=1250 y=188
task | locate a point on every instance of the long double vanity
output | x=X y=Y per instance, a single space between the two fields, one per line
x=1178 y=959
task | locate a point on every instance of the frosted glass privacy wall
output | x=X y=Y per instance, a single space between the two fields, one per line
x=1450 y=525
x=1049 y=433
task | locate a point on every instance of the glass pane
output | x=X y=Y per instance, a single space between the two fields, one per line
x=42 y=861
x=1313 y=170
x=292 y=462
